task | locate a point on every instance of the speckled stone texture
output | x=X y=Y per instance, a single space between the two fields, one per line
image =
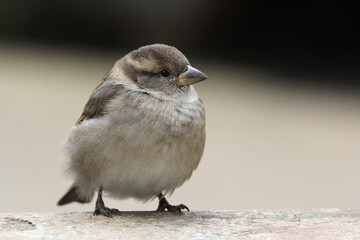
x=248 y=224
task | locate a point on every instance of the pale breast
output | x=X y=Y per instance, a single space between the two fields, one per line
x=156 y=145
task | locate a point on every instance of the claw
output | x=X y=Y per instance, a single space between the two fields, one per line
x=101 y=209
x=164 y=204
x=177 y=208
x=115 y=211
x=184 y=207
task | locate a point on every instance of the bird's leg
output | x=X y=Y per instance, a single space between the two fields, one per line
x=164 y=204
x=100 y=206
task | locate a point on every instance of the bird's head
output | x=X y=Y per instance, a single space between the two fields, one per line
x=160 y=68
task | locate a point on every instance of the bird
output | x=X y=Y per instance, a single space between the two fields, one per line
x=141 y=133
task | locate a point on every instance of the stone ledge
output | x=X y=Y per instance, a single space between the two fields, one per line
x=247 y=224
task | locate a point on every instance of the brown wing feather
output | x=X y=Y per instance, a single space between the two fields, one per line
x=103 y=93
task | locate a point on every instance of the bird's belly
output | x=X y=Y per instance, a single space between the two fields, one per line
x=148 y=171
x=139 y=154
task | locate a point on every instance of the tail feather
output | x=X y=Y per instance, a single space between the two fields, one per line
x=71 y=196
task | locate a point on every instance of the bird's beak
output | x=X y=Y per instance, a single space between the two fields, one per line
x=191 y=76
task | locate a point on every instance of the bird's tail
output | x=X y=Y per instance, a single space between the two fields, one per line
x=71 y=196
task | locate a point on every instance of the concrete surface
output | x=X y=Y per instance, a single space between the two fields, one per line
x=247 y=224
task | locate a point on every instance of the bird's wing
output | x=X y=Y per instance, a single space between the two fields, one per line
x=98 y=100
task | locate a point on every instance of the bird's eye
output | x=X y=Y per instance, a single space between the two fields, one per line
x=164 y=73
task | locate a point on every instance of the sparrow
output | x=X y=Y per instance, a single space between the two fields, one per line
x=141 y=133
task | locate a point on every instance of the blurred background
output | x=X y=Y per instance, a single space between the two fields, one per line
x=282 y=98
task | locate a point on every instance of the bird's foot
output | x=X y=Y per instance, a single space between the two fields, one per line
x=105 y=211
x=164 y=204
x=174 y=208
x=101 y=209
